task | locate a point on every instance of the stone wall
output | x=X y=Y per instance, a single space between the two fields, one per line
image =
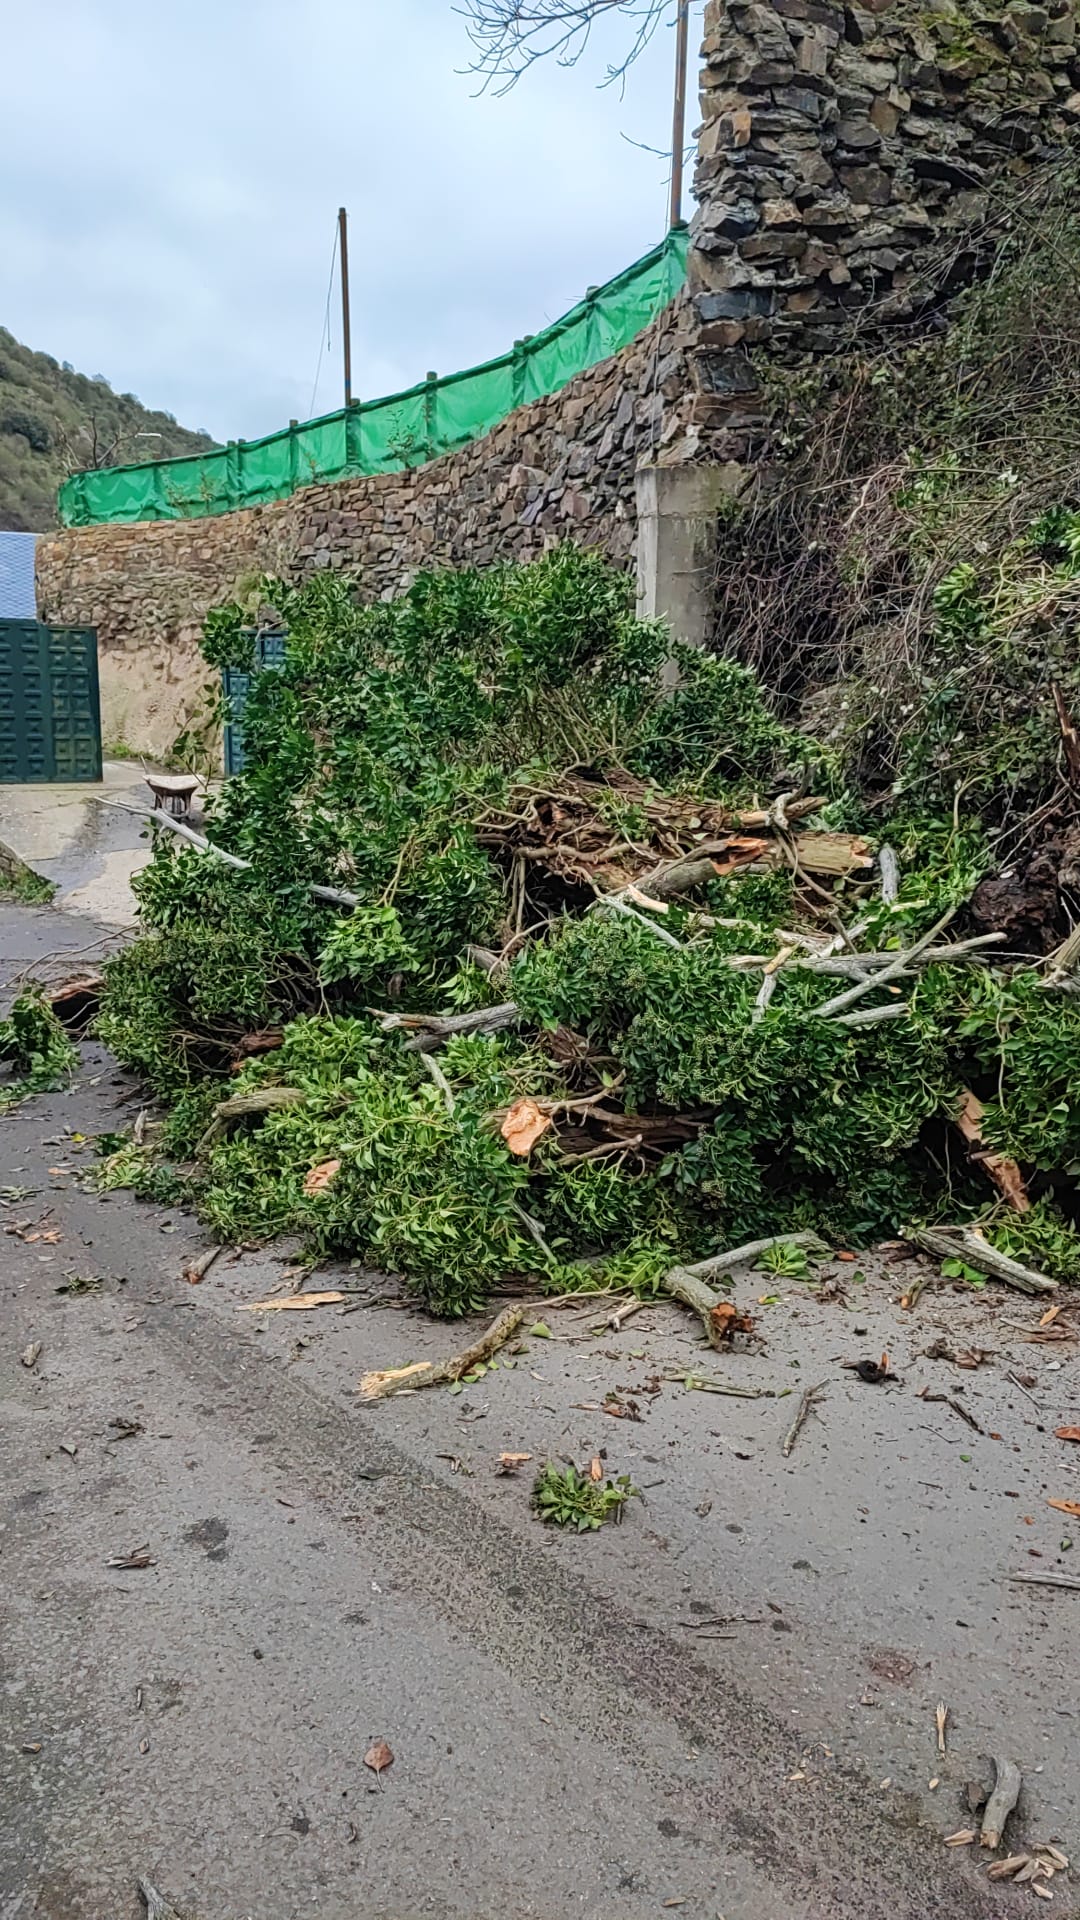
x=848 y=159
x=561 y=467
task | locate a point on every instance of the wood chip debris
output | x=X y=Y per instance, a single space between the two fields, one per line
x=941 y=1721
x=524 y=1125
x=512 y=1462
x=292 y=1303
x=321 y=1177
x=129 y=1562
x=32 y=1354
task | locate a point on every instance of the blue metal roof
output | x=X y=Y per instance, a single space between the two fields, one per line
x=17 y=598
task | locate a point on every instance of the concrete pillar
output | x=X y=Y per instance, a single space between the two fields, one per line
x=677 y=512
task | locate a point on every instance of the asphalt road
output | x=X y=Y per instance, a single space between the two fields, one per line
x=319 y=1581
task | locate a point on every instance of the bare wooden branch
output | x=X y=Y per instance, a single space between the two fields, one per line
x=686 y=1286
x=615 y=903
x=241 y=1105
x=841 y=1001
x=808 y=1400
x=1061 y=1580
x=889 y=869
x=1064 y=961
x=952 y=1243
x=428 y=1373
x=873 y=1016
x=1001 y=1802
x=431 y=1029
x=158 y=817
x=737 y=1256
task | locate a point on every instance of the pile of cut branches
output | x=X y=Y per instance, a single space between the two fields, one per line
x=500 y=958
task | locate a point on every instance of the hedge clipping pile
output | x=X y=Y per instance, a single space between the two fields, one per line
x=524 y=961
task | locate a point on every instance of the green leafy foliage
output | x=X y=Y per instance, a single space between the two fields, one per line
x=35 y=1049
x=563 y=1497
x=54 y=421
x=786 y=1260
x=375 y=755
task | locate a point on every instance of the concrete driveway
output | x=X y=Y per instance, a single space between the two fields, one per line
x=77 y=837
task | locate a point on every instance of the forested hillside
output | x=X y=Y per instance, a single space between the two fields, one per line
x=54 y=421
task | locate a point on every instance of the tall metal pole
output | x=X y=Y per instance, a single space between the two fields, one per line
x=678 y=127
x=346 y=334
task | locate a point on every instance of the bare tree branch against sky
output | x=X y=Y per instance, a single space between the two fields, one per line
x=510 y=35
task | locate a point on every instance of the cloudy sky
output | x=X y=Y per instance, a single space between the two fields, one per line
x=172 y=177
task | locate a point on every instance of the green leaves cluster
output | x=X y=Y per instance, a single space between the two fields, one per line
x=35 y=1049
x=566 y=1498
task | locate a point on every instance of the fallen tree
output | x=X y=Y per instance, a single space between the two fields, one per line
x=653 y=924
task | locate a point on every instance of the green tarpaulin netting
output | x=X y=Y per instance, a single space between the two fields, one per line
x=383 y=436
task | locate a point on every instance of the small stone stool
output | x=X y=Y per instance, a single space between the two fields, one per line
x=173 y=792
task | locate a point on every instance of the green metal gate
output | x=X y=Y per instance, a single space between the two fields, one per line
x=50 y=714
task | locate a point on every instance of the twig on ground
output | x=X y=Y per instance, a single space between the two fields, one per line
x=615 y=1321
x=735 y=1256
x=808 y=1400
x=428 y=1373
x=948 y=1243
x=1061 y=1580
x=704 y=1383
x=195 y=1270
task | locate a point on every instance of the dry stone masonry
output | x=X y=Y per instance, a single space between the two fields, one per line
x=847 y=161
x=562 y=467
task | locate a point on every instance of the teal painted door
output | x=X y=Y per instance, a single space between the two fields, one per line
x=50 y=715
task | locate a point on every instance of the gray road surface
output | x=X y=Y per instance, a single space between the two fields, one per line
x=727 y=1703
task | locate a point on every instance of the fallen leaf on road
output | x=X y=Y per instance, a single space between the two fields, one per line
x=292 y=1303
x=321 y=1176
x=1068 y=1433
x=1066 y=1506
x=540 y=1330
x=510 y=1462
x=1049 y=1316
x=378 y=1757
x=523 y=1126
x=139 y=1557
x=32 y=1354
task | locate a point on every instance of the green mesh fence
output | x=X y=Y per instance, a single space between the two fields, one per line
x=383 y=436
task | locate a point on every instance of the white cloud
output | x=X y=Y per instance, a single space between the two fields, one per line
x=173 y=175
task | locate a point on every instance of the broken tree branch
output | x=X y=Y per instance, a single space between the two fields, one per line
x=1001 y=1168
x=262 y=1100
x=808 y=1400
x=950 y=1243
x=1064 y=962
x=159 y=818
x=1001 y=1802
x=431 y=1029
x=841 y=1001
x=889 y=869
x=735 y=1256
x=428 y=1373
x=1045 y=1580
x=712 y=1311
